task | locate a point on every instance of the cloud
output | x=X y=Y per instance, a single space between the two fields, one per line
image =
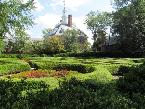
x=79 y=22
x=70 y=4
x=38 y=5
x=48 y=20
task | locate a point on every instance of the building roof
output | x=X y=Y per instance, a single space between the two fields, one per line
x=63 y=25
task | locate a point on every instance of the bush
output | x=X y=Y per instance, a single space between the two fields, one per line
x=117 y=69
x=18 y=55
x=75 y=94
x=123 y=70
x=10 y=65
x=133 y=86
x=58 y=66
x=111 y=54
x=13 y=93
x=134 y=81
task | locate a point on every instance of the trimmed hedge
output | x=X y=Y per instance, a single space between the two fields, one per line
x=58 y=66
x=133 y=81
x=19 y=55
x=84 y=71
x=13 y=94
x=118 y=69
x=72 y=94
x=111 y=54
x=11 y=65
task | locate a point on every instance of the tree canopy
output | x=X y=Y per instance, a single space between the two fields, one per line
x=15 y=17
x=129 y=26
x=98 y=22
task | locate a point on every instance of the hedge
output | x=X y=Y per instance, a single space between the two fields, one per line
x=134 y=80
x=10 y=65
x=20 y=55
x=111 y=54
x=84 y=71
x=58 y=66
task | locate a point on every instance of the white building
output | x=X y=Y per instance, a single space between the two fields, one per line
x=64 y=24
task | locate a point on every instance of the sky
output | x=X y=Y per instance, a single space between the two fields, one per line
x=48 y=13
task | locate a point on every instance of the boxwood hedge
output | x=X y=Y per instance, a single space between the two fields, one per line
x=12 y=65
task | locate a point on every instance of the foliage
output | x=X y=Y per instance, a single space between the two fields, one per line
x=37 y=47
x=75 y=94
x=9 y=65
x=94 y=89
x=109 y=54
x=98 y=22
x=133 y=85
x=53 y=44
x=133 y=82
x=71 y=40
x=2 y=48
x=18 y=45
x=20 y=56
x=75 y=41
x=129 y=26
x=12 y=93
x=58 y=66
x=15 y=17
x=72 y=94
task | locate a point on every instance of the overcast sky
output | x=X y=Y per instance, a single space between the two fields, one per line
x=48 y=13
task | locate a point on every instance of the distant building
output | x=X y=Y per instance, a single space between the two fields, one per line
x=111 y=44
x=64 y=24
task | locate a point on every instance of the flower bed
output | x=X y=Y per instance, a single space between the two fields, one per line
x=40 y=74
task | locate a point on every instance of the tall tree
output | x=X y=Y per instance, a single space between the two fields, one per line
x=129 y=26
x=98 y=23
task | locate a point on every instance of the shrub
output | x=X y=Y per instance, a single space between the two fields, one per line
x=58 y=66
x=12 y=93
x=118 y=69
x=75 y=94
x=134 y=81
x=18 y=55
x=123 y=70
x=12 y=66
x=111 y=54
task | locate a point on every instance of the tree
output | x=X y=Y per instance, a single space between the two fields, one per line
x=53 y=45
x=15 y=17
x=37 y=47
x=18 y=45
x=75 y=41
x=45 y=32
x=101 y=40
x=98 y=23
x=121 y=3
x=129 y=26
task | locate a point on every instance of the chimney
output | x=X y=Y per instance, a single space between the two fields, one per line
x=69 y=20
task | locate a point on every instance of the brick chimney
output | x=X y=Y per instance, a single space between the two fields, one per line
x=69 y=20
